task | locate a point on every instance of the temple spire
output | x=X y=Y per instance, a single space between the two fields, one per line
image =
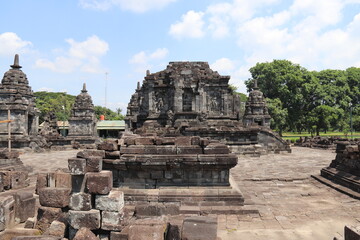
x=255 y=85
x=84 y=88
x=16 y=62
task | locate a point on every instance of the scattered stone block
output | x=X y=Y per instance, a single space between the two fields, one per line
x=119 y=235
x=56 y=229
x=46 y=215
x=18 y=179
x=99 y=183
x=54 y=197
x=111 y=221
x=36 y=238
x=30 y=222
x=85 y=234
x=108 y=146
x=77 y=166
x=94 y=164
x=88 y=219
x=78 y=183
x=91 y=153
x=112 y=154
x=62 y=180
x=41 y=182
x=153 y=231
x=113 y=202
x=199 y=228
x=352 y=233
x=24 y=206
x=80 y=201
x=183 y=141
x=7 y=213
x=144 y=141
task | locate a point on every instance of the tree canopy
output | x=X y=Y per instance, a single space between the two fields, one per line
x=301 y=100
x=61 y=103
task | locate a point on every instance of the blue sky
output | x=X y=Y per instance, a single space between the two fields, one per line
x=65 y=43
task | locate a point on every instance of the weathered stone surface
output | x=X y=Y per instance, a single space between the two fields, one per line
x=183 y=141
x=24 y=206
x=62 y=180
x=216 y=149
x=99 y=183
x=41 y=182
x=7 y=213
x=85 y=234
x=18 y=179
x=56 y=229
x=36 y=238
x=80 y=201
x=112 y=220
x=151 y=231
x=88 y=219
x=108 y=146
x=30 y=223
x=78 y=183
x=91 y=153
x=352 y=233
x=113 y=202
x=119 y=235
x=46 y=215
x=199 y=228
x=144 y=141
x=54 y=197
x=112 y=154
x=77 y=166
x=93 y=164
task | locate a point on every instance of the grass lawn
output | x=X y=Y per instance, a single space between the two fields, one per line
x=294 y=136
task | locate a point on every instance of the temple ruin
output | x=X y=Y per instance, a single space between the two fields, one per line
x=188 y=98
x=17 y=103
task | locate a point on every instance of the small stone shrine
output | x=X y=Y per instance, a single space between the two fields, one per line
x=345 y=168
x=82 y=122
x=188 y=98
x=18 y=101
x=256 y=111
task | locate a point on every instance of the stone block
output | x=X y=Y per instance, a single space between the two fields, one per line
x=5 y=179
x=144 y=141
x=123 y=235
x=77 y=166
x=192 y=149
x=113 y=202
x=85 y=234
x=168 y=141
x=18 y=179
x=108 y=146
x=88 y=219
x=36 y=238
x=94 y=164
x=30 y=222
x=78 y=183
x=41 y=182
x=7 y=213
x=91 y=153
x=147 y=231
x=204 y=142
x=133 y=149
x=99 y=183
x=111 y=221
x=214 y=148
x=166 y=150
x=157 y=174
x=80 y=201
x=24 y=206
x=112 y=154
x=183 y=141
x=46 y=215
x=54 y=197
x=62 y=180
x=199 y=228
x=352 y=233
x=195 y=140
x=56 y=229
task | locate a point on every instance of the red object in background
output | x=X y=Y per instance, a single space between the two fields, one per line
x=102 y=117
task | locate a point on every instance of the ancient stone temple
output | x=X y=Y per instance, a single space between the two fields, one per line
x=188 y=98
x=82 y=122
x=188 y=91
x=17 y=102
x=256 y=111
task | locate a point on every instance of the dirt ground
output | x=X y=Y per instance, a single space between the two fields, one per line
x=292 y=205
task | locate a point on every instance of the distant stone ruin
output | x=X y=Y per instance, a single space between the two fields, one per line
x=17 y=101
x=188 y=98
x=82 y=122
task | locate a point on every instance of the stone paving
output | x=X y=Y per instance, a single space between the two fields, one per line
x=291 y=204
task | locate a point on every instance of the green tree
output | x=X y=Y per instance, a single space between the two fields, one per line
x=278 y=115
x=108 y=113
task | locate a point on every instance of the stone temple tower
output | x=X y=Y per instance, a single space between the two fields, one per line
x=16 y=95
x=82 y=122
x=256 y=111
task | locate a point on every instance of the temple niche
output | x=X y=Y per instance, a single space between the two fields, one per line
x=18 y=101
x=256 y=111
x=190 y=99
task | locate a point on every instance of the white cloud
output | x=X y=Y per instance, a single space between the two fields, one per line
x=11 y=44
x=144 y=61
x=223 y=65
x=45 y=89
x=190 y=26
x=138 y=6
x=83 y=56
